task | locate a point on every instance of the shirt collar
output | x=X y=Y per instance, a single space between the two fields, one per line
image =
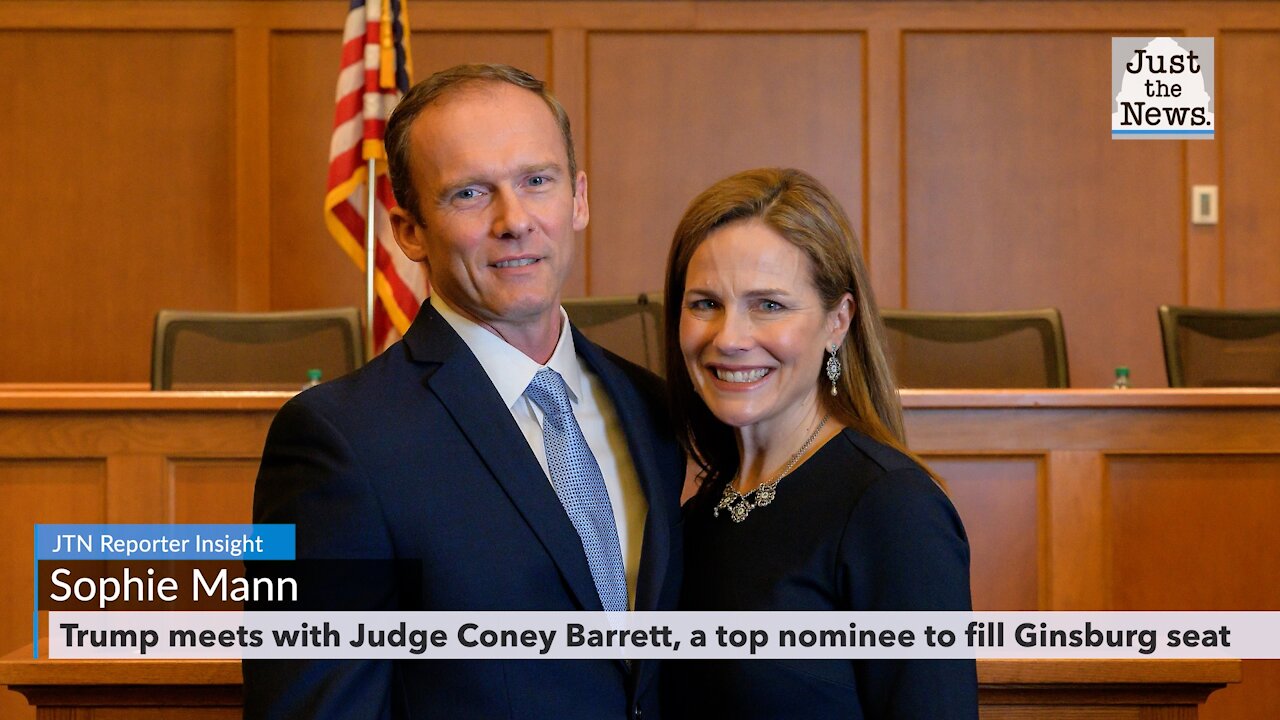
x=509 y=369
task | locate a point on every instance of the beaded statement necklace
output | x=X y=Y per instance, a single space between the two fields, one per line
x=739 y=505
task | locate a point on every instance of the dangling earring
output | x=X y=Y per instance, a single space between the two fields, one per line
x=833 y=368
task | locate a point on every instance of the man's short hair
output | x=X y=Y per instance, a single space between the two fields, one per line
x=420 y=96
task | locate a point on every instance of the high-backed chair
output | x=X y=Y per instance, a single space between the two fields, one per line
x=1208 y=347
x=1017 y=349
x=253 y=351
x=630 y=326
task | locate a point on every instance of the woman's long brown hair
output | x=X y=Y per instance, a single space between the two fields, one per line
x=802 y=211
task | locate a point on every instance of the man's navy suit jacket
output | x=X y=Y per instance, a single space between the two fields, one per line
x=415 y=456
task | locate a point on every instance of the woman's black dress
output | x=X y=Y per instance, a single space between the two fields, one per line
x=857 y=527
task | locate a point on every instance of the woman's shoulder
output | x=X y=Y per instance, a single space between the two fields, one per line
x=886 y=458
x=890 y=483
x=903 y=544
x=870 y=462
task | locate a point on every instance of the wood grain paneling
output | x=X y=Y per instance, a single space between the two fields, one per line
x=38 y=491
x=998 y=500
x=961 y=132
x=139 y=432
x=1199 y=533
x=136 y=489
x=1007 y=689
x=308 y=269
x=1259 y=699
x=212 y=491
x=668 y=114
x=117 y=198
x=1017 y=197
x=1076 y=517
x=163 y=713
x=117 y=457
x=1250 y=137
x=1175 y=518
x=1089 y=428
x=1027 y=471
x=252 y=166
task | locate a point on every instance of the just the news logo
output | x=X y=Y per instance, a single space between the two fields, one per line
x=1162 y=88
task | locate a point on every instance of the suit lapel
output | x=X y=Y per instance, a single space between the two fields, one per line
x=655 y=549
x=462 y=387
x=458 y=381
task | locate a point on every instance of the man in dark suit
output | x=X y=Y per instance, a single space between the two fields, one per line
x=524 y=467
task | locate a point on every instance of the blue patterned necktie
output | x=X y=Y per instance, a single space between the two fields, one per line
x=576 y=477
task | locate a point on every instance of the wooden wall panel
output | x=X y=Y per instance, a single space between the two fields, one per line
x=212 y=491
x=308 y=269
x=994 y=182
x=1017 y=197
x=1175 y=520
x=434 y=51
x=117 y=198
x=998 y=500
x=1184 y=506
x=1076 y=546
x=668 y=114
x=38 y=491
x=1248 y=199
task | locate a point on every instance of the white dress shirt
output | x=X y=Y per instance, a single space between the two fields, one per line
x=511 y=371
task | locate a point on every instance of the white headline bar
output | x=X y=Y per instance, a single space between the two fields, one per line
x=671 y=635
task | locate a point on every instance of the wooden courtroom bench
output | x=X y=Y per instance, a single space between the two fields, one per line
x=1008 y=689
x=1072 y=499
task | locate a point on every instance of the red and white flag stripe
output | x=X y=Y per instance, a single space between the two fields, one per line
x=373 y=77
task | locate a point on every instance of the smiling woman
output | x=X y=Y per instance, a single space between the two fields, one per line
x=753 y=333
x=808 y=498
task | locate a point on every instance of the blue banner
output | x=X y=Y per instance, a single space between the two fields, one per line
x=165 y=542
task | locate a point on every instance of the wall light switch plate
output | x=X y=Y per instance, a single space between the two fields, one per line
x=1204 y=204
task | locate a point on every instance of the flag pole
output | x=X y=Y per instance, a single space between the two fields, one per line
x=370 y=240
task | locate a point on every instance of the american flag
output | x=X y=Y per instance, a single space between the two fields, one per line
x=373 y=78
